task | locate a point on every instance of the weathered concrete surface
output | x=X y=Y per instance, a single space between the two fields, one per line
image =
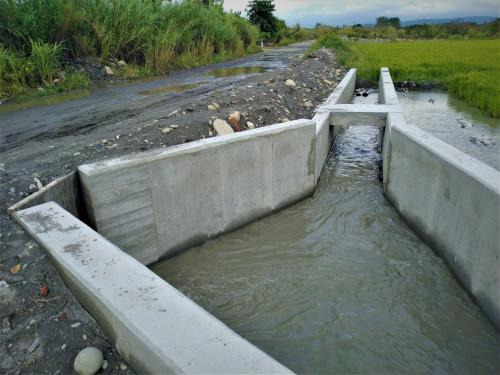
x=360 y=114
x=64 y=190
x=155 y=204
x=155 y=327
x=324 y=132
x=451 y=200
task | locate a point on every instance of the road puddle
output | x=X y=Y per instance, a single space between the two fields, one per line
x=236 y=71
x=168 y=89
x=43 y=101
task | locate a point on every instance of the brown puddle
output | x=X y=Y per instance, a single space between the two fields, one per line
x=227 y=72
x=44 y=100
x=167 y=89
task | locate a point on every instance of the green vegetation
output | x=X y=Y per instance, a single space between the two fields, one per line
x=39 y=37
x=468 y=68
x=273 y=29
x=390 y=28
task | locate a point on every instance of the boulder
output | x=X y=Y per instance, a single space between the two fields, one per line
x=221 y=127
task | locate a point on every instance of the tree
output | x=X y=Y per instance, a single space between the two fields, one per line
x=386 y=22
x=261 y=13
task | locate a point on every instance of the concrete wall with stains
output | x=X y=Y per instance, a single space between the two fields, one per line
x=158 y=203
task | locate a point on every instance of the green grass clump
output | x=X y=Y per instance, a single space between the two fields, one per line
x=46 y=60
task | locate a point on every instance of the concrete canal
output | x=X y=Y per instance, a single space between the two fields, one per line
x=338 y=283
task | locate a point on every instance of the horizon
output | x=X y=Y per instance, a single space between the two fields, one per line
x=350 y=12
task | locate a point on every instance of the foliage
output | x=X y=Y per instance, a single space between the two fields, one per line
x=261 y=14
x=387 y=22
x=46 y=60
x=152 y=36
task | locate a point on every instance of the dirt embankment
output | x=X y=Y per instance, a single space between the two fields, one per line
x=43 y=326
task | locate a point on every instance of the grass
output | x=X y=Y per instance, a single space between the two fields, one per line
x=37 y=37
x=468 y=68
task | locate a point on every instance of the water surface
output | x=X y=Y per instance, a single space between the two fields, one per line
x=456 y=122
x=338 y=284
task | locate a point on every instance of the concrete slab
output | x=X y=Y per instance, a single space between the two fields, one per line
x=154 y=327
x=158 y=203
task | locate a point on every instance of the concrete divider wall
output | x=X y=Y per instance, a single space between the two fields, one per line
x=155 y=328
x=451 y=200
x=324 y=132
x=155 y=204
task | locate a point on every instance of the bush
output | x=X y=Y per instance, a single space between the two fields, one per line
x=46 y=60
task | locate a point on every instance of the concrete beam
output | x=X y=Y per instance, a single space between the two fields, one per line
x=359 y=114
x=155 y=328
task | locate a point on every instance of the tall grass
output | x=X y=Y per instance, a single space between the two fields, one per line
x=151 y=34
x=46 y=60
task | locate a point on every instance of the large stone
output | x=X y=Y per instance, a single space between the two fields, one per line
x=290 y=83
x=234 y=118
x=221 y=127
x=88 y=361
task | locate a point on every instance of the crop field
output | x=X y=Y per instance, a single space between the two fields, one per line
x=470 y=69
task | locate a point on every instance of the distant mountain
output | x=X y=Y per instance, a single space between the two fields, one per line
x=435 y=21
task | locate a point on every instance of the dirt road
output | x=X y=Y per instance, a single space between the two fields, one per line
x=43 y=334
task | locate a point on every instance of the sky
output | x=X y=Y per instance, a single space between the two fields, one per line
x=348 y=12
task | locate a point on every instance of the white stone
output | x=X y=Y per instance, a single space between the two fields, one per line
x=122 y=63
x=290 y=83
x=250 y=125
x=221 y=127
x=234 y=118
x=166 y=130
x=211 y=107
x=108 y=70
x=88 y=361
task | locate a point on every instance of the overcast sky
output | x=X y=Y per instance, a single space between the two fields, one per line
x=340 y=12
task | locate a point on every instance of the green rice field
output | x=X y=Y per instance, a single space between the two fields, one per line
x=470 y=69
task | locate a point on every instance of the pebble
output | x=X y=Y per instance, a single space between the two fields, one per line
x=234 y=118
x=76 y=325
x=122 y=63
x=221 y=127
x=166 y=130
x=285 y=119
x=290 y=83
x=88 y=361
x=108 y=70
x=250 y=125
x=123 y=366
x=174 y=126
x=104 y=365
x=211 y=107
x=216 y=105
x=63 y=347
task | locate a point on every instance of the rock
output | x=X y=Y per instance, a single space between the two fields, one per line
x=250 y=125
x=15 y=269
x=39 y=184
x=76 y=325
x=166 y=130
x=216 y=105
x=221 y=127
x=32 y=187
x=6 y=327
x=88 y=361
x=34 y=345
x=121 y=63
x=56 y=80
x=290 y=83
x=174 y=126
x=308 y=104
x=12 y=190
x=338 y=72
x=123 y=366
x=211 y=107
x=285 y=119
x=234 y=118
x=104 y=365
x=108 y=70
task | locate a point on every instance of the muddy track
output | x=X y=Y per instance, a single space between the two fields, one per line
x=43 y=334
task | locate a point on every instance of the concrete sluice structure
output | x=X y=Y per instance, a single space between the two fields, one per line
x=103 y=224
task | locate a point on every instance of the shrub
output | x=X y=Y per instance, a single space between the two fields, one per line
x=46 y=60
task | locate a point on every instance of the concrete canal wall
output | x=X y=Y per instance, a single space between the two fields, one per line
x=157 y=203
x=451 y=200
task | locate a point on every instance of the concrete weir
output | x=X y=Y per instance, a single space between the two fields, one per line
x=103 y=224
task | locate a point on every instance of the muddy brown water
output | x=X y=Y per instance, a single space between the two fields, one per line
x=338 y=284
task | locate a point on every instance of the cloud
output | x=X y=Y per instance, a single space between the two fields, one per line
x=308 y=12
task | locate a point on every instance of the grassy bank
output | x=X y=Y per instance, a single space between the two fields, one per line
x=468 y=68
x=38 y=38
